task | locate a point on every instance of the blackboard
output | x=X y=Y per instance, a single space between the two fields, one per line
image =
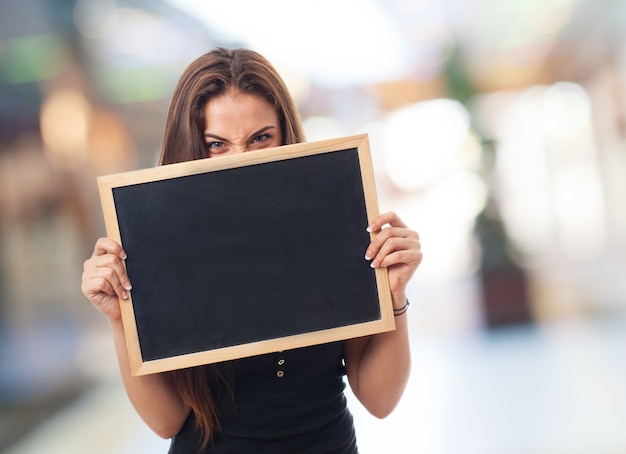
x=247 y=254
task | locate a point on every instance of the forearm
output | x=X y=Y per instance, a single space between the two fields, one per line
x=152 y=396
x=383 y=369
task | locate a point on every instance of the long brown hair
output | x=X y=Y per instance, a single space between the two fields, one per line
x=210 y=76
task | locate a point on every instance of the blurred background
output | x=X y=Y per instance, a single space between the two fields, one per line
x=498 y=131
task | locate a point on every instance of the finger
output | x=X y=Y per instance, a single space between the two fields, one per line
x=106 y=280
x=407 y=246
x=409 y=257
x=97 y=286
x=96 y=289
x=389 y=218
x=110 y=268
x=111 y=260
x=381 y=238
x=108 y=246
x=393 y=239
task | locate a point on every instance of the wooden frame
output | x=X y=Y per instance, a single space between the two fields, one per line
x=147 y=187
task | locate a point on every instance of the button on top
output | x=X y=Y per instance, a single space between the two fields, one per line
x=280 y=362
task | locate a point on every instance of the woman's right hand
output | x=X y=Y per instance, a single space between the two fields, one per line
x=104 y=279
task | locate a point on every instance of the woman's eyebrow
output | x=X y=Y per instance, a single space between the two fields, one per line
x=262 y=130
x=213 y=136
x=210 y=135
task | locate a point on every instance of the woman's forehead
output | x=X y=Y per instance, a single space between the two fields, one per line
x=238 y=113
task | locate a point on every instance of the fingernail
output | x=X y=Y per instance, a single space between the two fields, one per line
x=367 y=257
x=369 y=229
x=128 y=286
x=373 y=264
x=125 y=295
x=125 y=256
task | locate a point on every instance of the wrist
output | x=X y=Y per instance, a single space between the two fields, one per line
x=398 y=300
x=116 y=323
x=401 y=310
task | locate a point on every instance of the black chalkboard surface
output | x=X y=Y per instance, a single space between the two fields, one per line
x=248 y=254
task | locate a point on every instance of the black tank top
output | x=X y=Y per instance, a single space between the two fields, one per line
x=286 y=402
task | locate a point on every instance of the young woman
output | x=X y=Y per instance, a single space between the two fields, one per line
x=233 y=101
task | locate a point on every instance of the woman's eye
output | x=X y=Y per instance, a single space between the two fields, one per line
x=213 y=145
x=261 y=138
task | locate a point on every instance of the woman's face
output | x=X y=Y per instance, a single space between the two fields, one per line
x=239 y=122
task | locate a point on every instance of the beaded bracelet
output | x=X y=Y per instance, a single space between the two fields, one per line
x=402 y=310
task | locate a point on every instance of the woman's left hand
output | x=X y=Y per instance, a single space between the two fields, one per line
x=397 y=248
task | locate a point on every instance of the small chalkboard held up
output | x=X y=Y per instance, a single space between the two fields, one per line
x=247 y=254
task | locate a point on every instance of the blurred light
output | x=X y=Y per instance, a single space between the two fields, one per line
x=89 y=15
x=130 y=85
x=129 y=31
x=551 y=18
x=425 y=140
x=549 y=186
x=506 y=43
x=336 y=42
x=322 y=127
x=579 y=198
x=298 y=83
x=432 y=156
x=566 y=112
x=444 y=217
x=139 y=55
x=436 y=45
x=413 y=6
x=31 y=58
x=427 y=28
x=450 y=249
x=110 y=147
x=65 y=116
x=514 y=24
x=579 y=203
x=136 y=33
x=521 y=169
x=523 y=173
x=463 y=190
